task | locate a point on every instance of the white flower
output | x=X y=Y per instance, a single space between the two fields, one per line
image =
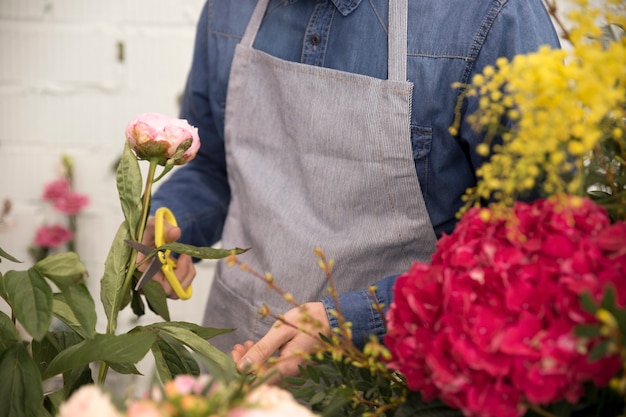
x=271 y=401
x=90 y=401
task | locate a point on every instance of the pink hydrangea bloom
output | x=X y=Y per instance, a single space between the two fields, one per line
x=71 y=203
x=153 y=135
x=52 y=236
x=488 y=325
x=56 y=189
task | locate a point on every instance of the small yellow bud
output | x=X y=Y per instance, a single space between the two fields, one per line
x=485 y=215
x=231 y=260
x=606 y=318
x=482 y=149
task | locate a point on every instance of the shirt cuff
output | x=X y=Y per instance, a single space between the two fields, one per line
x=357 y=307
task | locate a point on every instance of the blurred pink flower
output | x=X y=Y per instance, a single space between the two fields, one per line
x=488 y=325
x=52 y=236
x=90 y=401
x=153 y=135
x=71 y=203
x=144 y=408
x=56 y=189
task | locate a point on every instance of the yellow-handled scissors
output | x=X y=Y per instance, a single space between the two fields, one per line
x=163 y=260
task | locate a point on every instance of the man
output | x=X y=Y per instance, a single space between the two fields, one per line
x=312 y=136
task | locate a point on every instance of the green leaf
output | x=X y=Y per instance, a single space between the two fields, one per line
x=609 y=298
x=136 y=303
x=79 y=299
x=203 y=332
x=48 y=348
x=76 y=378
x=31 y=298
x=53 y=402
x=129 y=187
x=114 y=273
x=8 y=332
x=3 y=289
x=202 y=252
x=126 y=348
x=587 y=303
x=21 y=391
x=157 y=300
x=172 y=358
x=220 y=363
x=64 y=313
x=5 y=255
x=599 y=350
x=62 y=269
x=124 y=368
x=587 y=330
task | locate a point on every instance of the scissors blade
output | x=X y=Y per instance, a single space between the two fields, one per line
x=145 y=249
x=148 y=274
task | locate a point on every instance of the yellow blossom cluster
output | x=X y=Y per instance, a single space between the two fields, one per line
x=559 y=103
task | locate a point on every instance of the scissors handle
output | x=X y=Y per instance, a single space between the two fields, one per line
x=168 y=264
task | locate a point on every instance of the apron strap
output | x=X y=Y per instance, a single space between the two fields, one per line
x=397 y=39
x=397 y=36
x=255 y=22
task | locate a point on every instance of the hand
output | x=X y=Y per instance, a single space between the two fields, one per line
x=290 y=342
x=185 y=269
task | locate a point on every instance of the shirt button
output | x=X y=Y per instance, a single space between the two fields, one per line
x=315 y=39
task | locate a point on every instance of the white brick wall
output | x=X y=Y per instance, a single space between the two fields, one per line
x=64 y=89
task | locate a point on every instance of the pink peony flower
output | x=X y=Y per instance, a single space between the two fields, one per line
x=153 y=135
x=90 y=401
x=71 y=203
x=52 y=236
x=490 y=332
x=56 y=189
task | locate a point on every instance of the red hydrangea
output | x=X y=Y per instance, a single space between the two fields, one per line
x=488 y=325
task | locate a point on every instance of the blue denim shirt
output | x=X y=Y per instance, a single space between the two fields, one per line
x=448 y=41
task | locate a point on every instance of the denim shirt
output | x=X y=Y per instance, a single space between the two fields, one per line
x=448 y=42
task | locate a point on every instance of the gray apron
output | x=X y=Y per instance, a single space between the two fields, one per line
x=316 y=158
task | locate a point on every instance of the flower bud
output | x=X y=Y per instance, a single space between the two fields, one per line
x=153 y=135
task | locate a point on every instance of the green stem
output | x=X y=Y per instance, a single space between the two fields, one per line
x=71 y=245
x=132 y=262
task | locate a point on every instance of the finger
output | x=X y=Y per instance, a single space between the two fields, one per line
x=261 y=351
x=239 y=350
x=185 y=272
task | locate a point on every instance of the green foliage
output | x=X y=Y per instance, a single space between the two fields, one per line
x=55 y=288
x=605 y=176
x=336 y=387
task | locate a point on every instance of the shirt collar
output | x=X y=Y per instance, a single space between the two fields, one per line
x=346 y=7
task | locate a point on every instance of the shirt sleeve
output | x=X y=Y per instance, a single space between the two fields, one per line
x=521 y=27
x=198 y=193
x=357 y=307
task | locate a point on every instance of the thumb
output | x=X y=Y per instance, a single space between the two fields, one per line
x=172 y=233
